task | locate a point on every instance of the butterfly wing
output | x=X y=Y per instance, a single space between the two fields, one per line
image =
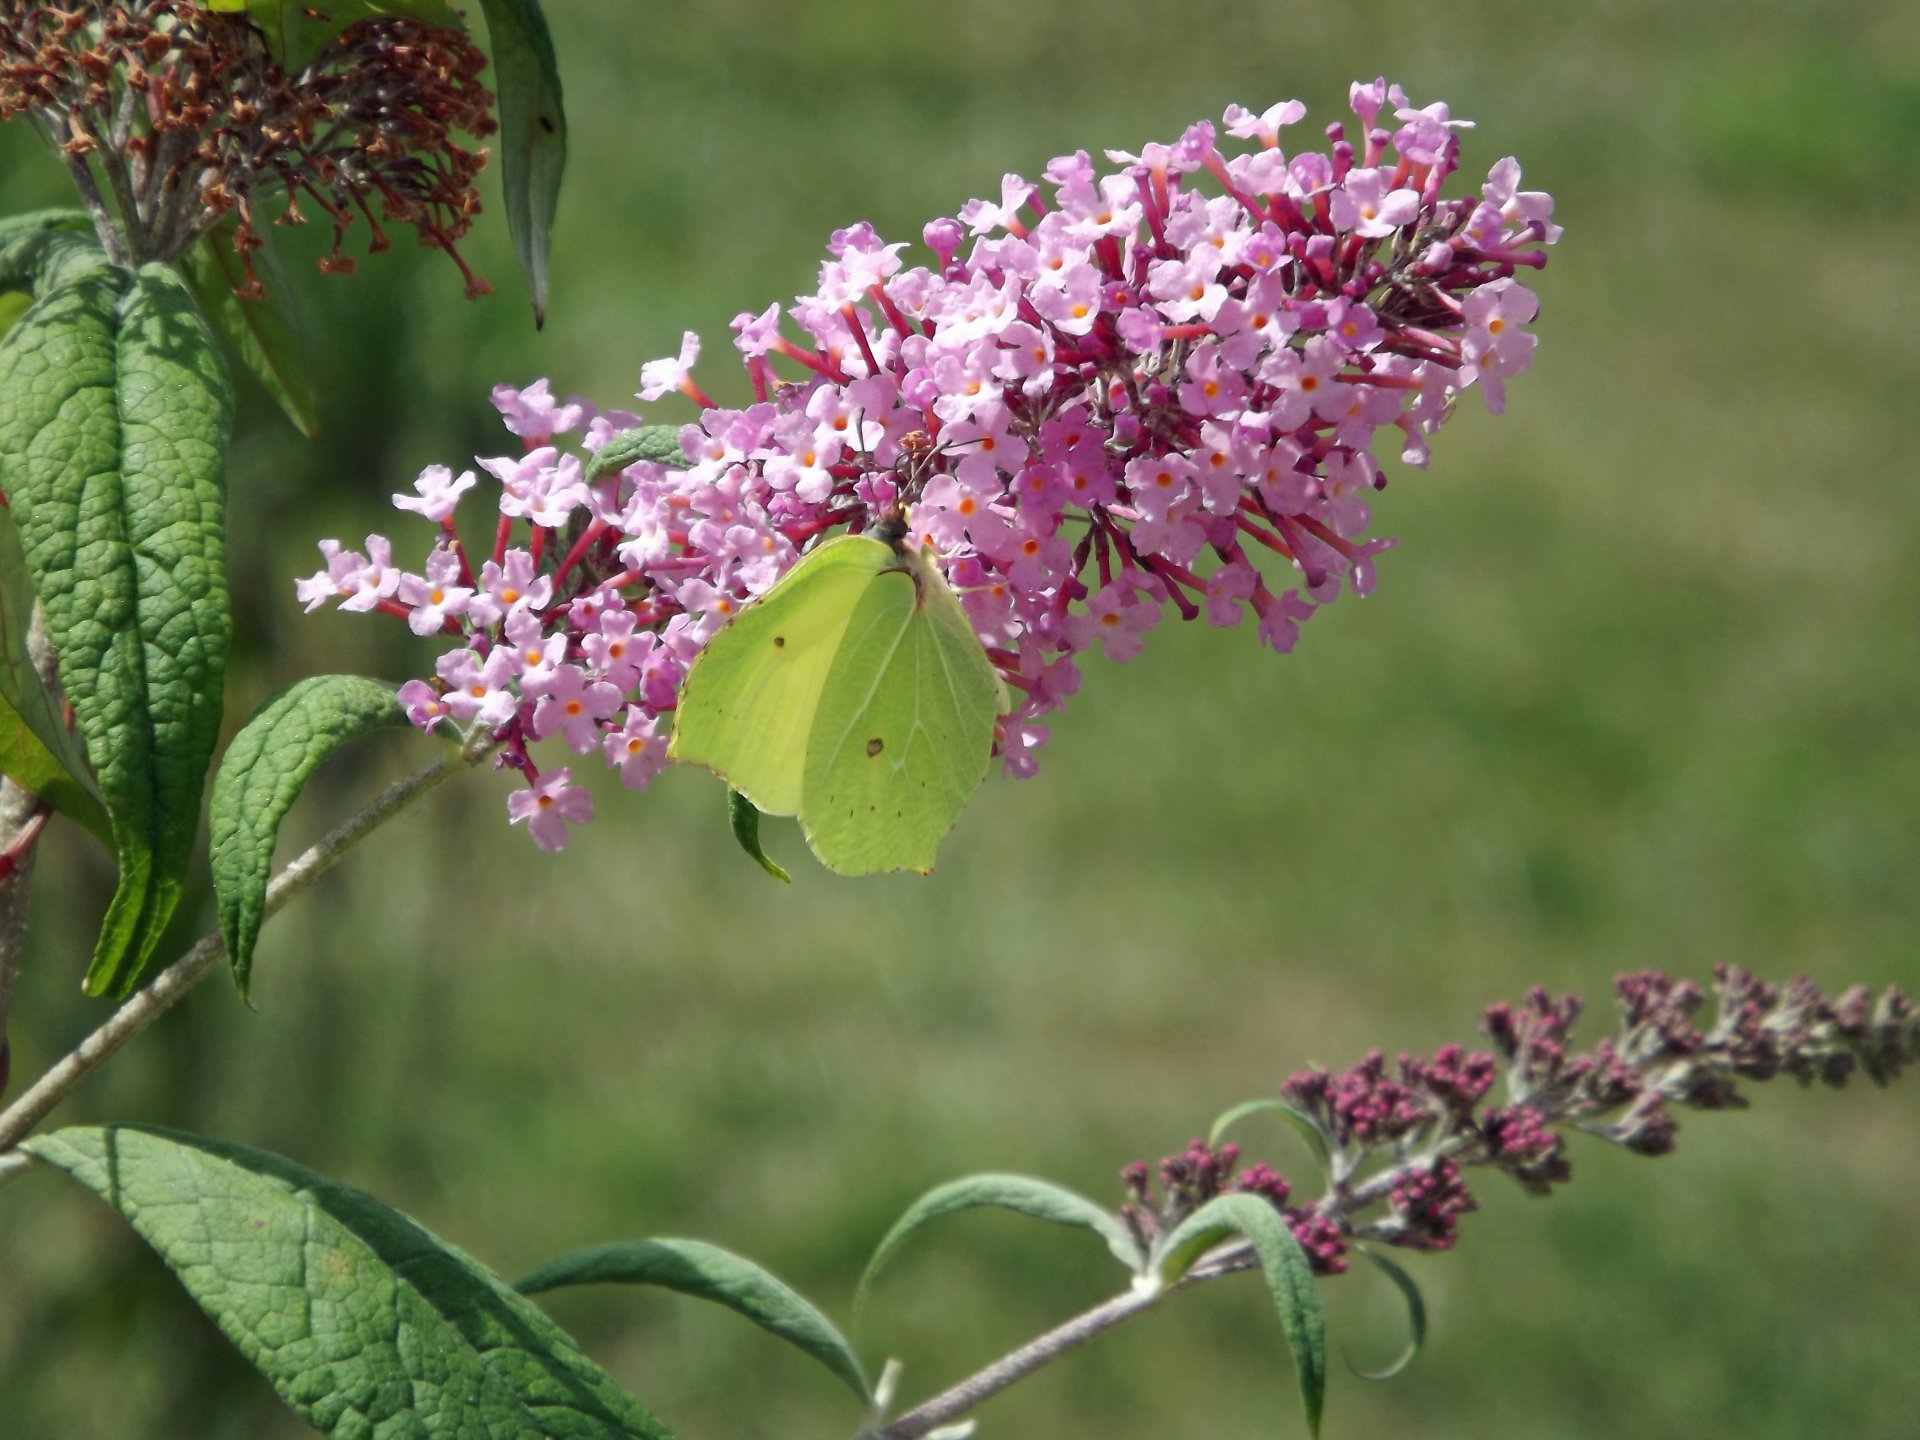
x=903 y=729
x=748 y=703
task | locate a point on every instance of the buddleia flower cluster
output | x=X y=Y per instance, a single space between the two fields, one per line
x=1397 y=1138
x=1161 y=387
x=192 y=119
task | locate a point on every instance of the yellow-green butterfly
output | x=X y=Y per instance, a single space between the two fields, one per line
x=854 y=695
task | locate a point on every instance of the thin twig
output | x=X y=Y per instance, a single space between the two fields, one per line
x=131 y=218
x=22 y=817
x=984 y=1384
x=170 y=984
x=111 y=239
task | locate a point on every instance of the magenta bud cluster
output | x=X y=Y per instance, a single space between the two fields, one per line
x=1163 y=386
x=1398 y=1138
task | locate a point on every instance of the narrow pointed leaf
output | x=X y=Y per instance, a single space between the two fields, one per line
x=1023 y=1194
x=1416 y=1316
x=658 y=443
x=533 y=134
x=261 y=334
x=707 y=1272
x=744 y=820
x=114 y=415
x=362 y=1321
x=1300 y=1121
x=38 y=750
x=298 y=30
x=1289 y=1278
x=261 y=774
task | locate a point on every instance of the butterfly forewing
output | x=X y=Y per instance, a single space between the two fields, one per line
x=748 y=704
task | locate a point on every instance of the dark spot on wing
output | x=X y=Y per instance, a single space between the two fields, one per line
x=779 y=641
x=875 y=746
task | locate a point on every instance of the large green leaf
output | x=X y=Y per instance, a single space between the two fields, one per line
x=1289 y=1277
x=533 y=134
x=363 y=1322
x=40 y=248
x=38 y=750
x=1023 y=1194
x=262 y=334
x=21 y=235
x=13 y=304
x=261 y=774
x=298 y=30
x=114 y=415
x=707 y=1272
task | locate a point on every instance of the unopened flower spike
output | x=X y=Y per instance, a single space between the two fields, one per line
x=1400 y=1136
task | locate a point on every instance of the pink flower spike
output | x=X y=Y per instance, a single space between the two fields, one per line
x=549 y=805
x=1089 y=407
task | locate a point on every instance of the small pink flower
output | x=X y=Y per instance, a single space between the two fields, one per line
x=549 y=806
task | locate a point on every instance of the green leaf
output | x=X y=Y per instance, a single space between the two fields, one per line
x=362 y=1321
x=745 y=821
x=707 y=1272
x=533 y=134
x=41 y=248
x=114 y=415
x=1289 y=1277
x=21 y=239
x=658 y=443
x=1041 y=1199
x=261 y=773
x=261 y=334
x=13 y=304
x=298 y=30
x=38 y=750
x=1299 y=1119
x=1416 y=1316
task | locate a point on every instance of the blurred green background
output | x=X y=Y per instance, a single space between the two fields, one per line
x=1638 y=689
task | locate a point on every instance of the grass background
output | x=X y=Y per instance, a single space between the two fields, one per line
x=1638 y=689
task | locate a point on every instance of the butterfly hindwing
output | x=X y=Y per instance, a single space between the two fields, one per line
x=904 y=729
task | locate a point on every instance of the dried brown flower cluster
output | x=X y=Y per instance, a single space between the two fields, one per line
x=190 y=119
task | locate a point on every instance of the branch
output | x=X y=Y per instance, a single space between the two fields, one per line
x=111 y=240
x=21 y=818
x=984 y=1384
x=170 y=984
